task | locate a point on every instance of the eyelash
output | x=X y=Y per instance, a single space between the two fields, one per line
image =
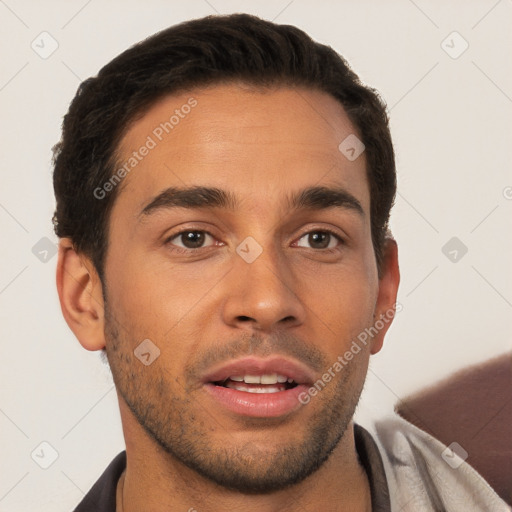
x=182 y=250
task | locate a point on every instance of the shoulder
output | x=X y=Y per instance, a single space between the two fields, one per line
x=425 y=475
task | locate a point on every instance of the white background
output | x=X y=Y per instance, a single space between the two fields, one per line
x=451 y=123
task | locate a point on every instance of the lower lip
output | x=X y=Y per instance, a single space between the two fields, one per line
x=261 y=405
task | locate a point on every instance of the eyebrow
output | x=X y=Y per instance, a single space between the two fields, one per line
x=314 y=198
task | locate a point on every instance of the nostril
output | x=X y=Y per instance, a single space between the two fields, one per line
x=244 y=318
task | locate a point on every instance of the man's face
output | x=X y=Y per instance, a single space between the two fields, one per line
x=208 y=298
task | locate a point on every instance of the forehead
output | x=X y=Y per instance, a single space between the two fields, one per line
x=254 y=142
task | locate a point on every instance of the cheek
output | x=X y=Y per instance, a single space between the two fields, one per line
x=163 y=302
x=154 y=286
x=345 y=304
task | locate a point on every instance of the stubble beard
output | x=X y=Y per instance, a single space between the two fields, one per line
x=185 y=430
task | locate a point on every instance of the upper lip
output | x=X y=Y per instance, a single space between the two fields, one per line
x=300 y=373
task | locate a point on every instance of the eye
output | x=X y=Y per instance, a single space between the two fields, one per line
x=190 y=239
x=320 y=239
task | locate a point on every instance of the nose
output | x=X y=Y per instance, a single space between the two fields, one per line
x=262 y=295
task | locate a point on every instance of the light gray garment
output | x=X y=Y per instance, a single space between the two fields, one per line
x=421 y=480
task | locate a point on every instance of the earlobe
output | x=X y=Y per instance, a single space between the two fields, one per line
x=80 y=296
x=386 y=308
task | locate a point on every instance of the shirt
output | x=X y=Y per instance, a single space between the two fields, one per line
x=408 y=471
x=102 y=496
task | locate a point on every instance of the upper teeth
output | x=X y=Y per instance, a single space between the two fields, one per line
x=270 y=378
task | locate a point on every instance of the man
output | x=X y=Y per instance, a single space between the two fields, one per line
x=223 y=194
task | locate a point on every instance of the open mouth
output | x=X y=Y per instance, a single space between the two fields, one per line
x=260 y=388
x=269 y=383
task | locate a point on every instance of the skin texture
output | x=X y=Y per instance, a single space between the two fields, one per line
x=208 y=306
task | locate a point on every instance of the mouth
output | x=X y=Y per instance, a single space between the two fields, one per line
x=259 y=388
x=267 y=383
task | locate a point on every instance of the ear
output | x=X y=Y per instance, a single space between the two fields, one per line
x=80 y=295
x=386 y=306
